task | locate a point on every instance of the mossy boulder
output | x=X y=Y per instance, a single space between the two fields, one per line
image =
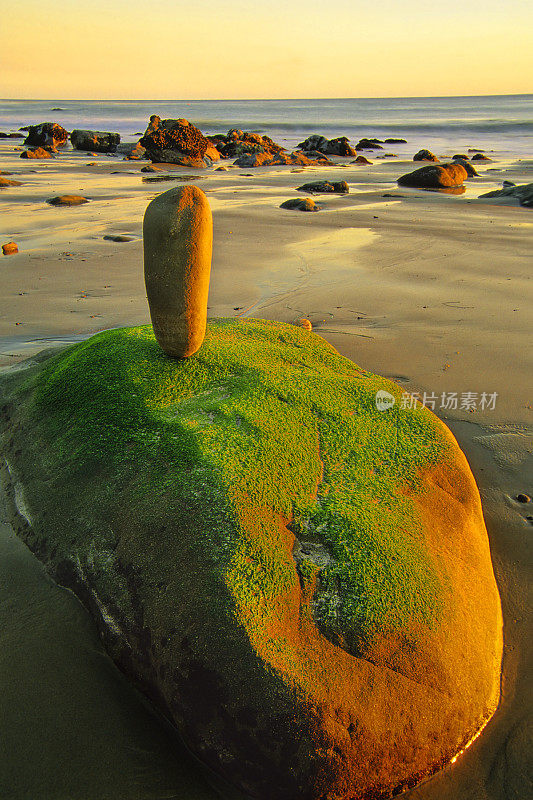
x=301 y=582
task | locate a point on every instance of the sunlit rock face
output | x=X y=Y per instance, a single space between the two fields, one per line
x=300 y=581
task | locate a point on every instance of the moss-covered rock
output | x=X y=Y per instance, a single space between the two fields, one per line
x=300 y=581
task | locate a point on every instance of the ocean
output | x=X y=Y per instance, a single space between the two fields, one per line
x=501 y=123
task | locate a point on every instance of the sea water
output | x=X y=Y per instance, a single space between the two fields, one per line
x=447 y=125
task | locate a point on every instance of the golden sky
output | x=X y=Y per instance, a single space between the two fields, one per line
x=170 y=49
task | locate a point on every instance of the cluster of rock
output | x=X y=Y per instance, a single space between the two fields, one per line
x=330 y=147
x=177 y=141
x=237 y=143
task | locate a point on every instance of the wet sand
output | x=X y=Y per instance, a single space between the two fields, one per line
x=432 y=290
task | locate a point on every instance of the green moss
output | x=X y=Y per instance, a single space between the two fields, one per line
x=266 y=419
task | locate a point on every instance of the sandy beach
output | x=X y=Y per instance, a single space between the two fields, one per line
x=432 y=290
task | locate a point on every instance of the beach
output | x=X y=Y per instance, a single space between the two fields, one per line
x=430 y=289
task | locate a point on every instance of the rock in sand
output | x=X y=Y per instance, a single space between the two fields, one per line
x=67 y=200
x=425 y=155
x=442 y=176
x=325 y=187
x=300 y=204
x=36 y=152
x=10 y=248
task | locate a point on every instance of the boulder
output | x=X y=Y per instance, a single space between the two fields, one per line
x=48 y=134
x=467 y=165
x=361 y=160
x=300 y=581
x=10 y=248
x=172 y=140
x=67 y=200
x=132 y=151
x=95 y=141
x=325 y=187
x=331 y=147
x=36 y=152
x=300 y=204
x=178 y=240
x=441 y=176
x=522 y=193
x=425 y=155
x=368 y=144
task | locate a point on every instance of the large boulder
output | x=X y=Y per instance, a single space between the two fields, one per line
x=511 y=194
x=46 y=134
x=172 y=140
x=95 y=141
x=435 y=176
x=299 y=580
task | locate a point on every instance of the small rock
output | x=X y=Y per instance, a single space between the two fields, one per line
x=468 y=166
x=119 y=237
x=325 y=187
x=481 y=157
x=221 y=169
x=368 y=144
x=425 y=155
x=9 y=248
x=67 y=200
x=304 y=323
x=461 y=156
x=5 y=182
x=36 y=152
x=300 y=204
x=523 y=498
x=395 y=141
x=361 y=160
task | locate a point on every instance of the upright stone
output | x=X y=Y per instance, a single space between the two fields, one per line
x=178 y=241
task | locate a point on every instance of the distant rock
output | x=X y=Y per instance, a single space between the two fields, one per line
x=67 y=200
x=237 y=143
x=467 y=165
x=425 y=155
x=221 y=169
x=461 y=156
x=443 y=176
x=481 y=157
x=361 y=160
x=36 y=152
x=368 y=144
x=175 y=141
x=95 y=141
x=300 y=204
x=268 y=160
x=5 y=182
x=132 y=151
x=325 y=187
x=46 y=134
x=395 y=141
x=10 y=248
x=522 y=193
x=11 y=135
x=331 y=147
x=475 y=150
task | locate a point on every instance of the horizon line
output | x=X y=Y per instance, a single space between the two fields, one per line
x=254 y=99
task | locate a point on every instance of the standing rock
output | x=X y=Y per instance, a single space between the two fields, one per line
x=178 y=241
x=48 y=134
x=425 y=155
x=442 y=176
x=95 y=141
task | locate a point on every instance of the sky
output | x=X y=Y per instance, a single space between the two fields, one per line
x=205 y=49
